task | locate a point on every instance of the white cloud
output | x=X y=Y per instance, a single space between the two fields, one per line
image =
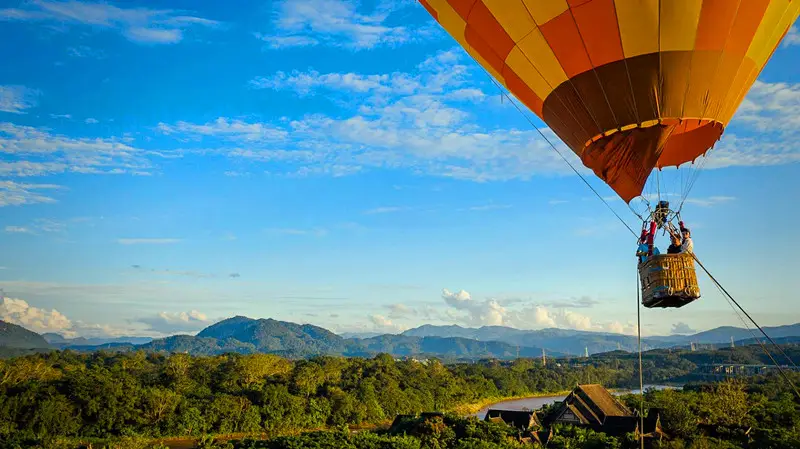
x=486 y=207
x=18 y=230
x=19 y=312
x=711 y=200
x=91 y=121
x=770 y=107
x=479 y=313
x=176 y=322
x=141 y=241
x=16 y=99
x=83 y=51
x=405 y=121
x=400 y=311
x=792 y=37
x=29 y=151
x=383 y=324
x=226 y=128
x=305 y=83
x=136 y=24
x=681 y=328
x=384 y=210
x=317 y=232
x=548 y=314
x=16 y=193
x=301 y=23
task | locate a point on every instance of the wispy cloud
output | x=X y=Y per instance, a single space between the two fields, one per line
x=16 y=99
x=18 y=230
x=234 y=129
x=181 y=273
x=384 y=210
x=710 y=201
x=770 y=107
x=301 y=23
x=317 y=232
x=30 y=151
x=91 y=121
x=17 y=193
x=176 y=322
x=405 y=121
x=465 y=309
x=141 y=25
x=38 y=226
x=792 y=37
x=487 y=207
x=146 y=241
x=83 y=51
x=682 y=328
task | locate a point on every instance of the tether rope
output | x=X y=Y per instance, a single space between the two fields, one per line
x=528 y=119
x=763 y=347
x=641 y=372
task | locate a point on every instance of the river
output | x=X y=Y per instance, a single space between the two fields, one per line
x=536 y=403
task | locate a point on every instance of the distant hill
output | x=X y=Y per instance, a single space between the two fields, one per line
x=360 y=334
x=723 y=334
x=13 y=336
x=246 y=335
x=553 y=340
x=576 y=342
x=198 y=345
x=268 y=335
x=59 y=341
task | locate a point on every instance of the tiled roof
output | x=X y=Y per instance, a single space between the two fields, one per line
x=607 y=403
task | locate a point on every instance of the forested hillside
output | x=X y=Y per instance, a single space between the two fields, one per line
x=104 y=395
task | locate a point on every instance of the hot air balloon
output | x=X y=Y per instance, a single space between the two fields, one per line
x=627 y=85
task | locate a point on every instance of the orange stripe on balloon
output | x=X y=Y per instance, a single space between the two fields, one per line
x=430 y=9
x=562 y=35
x=597 y=22
x=714 y=27
x=521 y=90
x=745 y=26
x=462 y=7
x=484 y=24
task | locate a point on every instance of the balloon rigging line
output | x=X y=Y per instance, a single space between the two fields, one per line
x=641 y=372
x=728 y=295
x=559 y=153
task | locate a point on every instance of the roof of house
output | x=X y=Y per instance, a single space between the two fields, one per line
x=521 y=419
x=608 y=405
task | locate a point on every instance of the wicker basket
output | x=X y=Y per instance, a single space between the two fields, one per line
x=668 y=280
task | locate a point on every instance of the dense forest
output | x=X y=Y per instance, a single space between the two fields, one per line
x=62 y=398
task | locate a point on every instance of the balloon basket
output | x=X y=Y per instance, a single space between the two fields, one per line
x=668 y=281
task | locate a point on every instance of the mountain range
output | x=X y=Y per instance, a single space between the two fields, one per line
x=246 y=335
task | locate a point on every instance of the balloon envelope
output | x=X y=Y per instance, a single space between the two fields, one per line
x=628 y=85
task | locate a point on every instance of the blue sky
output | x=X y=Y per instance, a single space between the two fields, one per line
x=342 y=164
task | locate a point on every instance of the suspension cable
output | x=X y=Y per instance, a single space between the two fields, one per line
x=763 y=347
x=641 y=375
x=528 y=119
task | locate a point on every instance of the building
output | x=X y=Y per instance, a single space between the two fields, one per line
x=522 y=420
x=594 y=407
